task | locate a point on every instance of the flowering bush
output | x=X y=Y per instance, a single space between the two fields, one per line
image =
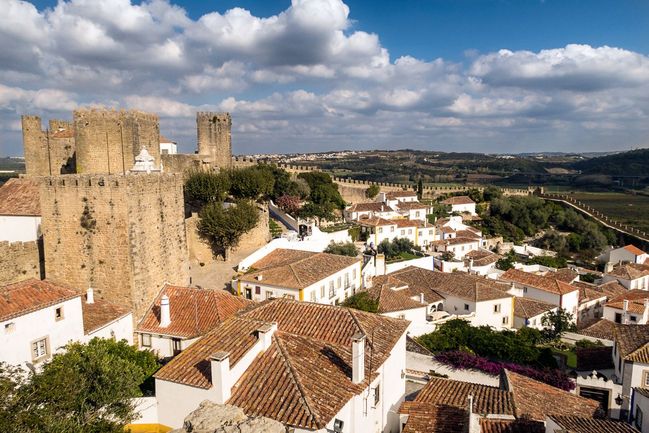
x=465 y=360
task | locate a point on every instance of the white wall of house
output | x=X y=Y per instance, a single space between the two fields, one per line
x=168 y=148
x=591 y=309
x=532 y=322
x=640 y=404
x=497 y=313
x=631 y=319
x=623 y=255
x=462 y=208
x=163 y=344
x=120 y=329
x=568 y=301
x=417 y=317
x=18 y=334
x=427 y=262
x=19 y=228
x=345 y=282
x=641 y=283
x=176 y=401
x=460 y=250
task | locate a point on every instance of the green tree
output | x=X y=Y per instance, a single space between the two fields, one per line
x=202 y=187
x=556 y=323
x=223 y=227
x=420 y=188
x=86 y=389
x=362 y=301
x=372 y=191
x=506 y=262
x=342 y=249
x=251 y=182
x=491 y=192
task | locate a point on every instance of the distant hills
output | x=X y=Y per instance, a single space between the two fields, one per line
x=631 y=163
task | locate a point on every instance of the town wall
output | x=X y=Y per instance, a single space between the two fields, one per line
x=107 y=141
x=122 y=235
x=48 y=152
x=19 y=261
x=214 y=137
x=181 y=162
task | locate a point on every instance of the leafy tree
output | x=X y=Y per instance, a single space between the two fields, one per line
x=289 y=203
x=362 y=301
x=372 y=191
x=223 y=227
x=549 y=261
x=394 y=248
x=251 y=182
x=202 y=187
x=448 y=256
x=506 y=262
x=342 y=249
x=86 y=389
x=556 y=323
x=324 y=191
x=420 y=188
x=491 y=192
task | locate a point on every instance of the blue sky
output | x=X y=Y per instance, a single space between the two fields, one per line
x=464 y=75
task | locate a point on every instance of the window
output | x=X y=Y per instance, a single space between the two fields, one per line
x=58 y=313
x=633 y=318
x=331 y=289
x=409 y=231
x=417 y=214
x=10 y=327
x=346 y=279
x=339 y=282
x=638 y=417
x=420 y=233
x=430 y=232
x=402 y=316
x=354 y=274
x=391 y=229
x=269 y=294
x=257 y=290
x=313 y=296
x=380 y=229
x=322 y=291
x=403 y=232
x=497 y=308
x=466 y=307
x=377 y=394
x=645 y=378
x=524 y=289
x=618 y=317
x=176 y=347
x=146 y=340
x=505 y=320
x=39 y=349
x=291 y=297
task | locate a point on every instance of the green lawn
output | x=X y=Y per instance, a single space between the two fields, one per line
x=571 y=357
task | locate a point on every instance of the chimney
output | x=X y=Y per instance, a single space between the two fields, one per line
x=260 y=277
x=358 y=358
x=470 y=264
x=165 y=315
x=625 y=311
x=220 y=368
x=90 y=296
x=265 y=334
x=421 y=298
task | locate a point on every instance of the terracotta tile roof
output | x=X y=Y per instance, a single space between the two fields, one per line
x=566 y=275
x=545 y=283
x=633 y=342
x=455 y=393
x=461 y=199
x=574 y=424
x=100 y=314
x=469 y=234
x=594 y=358
x=63 y=133
x=602 y=329
x=528 y=307
x=490 y=425
x=536 y=400
x=31 y=295
x=630 y=271
x=436 y=419
x=398 y=194
x=413 y=346
x=389 y=299
x=636 y=300
x=304 y=378
x=408 y=223
x=588 y=292
x=612 y=288
x=20 y=197
x=296 y=269
x=375 y=222
x=458 y=284
x=461 y=240
x=482 y=257
x=370 y=207
x=634 y=250
x=412 y=205
x=417 y=281
x=164 y=139
x=193 y=311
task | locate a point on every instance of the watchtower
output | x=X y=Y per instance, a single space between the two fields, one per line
x=215 y=138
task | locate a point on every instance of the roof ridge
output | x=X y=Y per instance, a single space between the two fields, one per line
x=290 y=266
x=295 y=379
x=358 y=323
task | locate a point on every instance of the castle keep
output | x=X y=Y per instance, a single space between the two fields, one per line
x=214 y=137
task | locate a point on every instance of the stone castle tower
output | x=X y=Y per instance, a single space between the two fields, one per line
x=48 y=152
x=215 y=138
x=123 y=235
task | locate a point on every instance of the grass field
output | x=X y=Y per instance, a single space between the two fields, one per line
x=625 y=208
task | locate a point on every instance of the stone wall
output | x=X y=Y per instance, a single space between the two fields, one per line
x=181 y=162
x=259 y=235
x=19 y=261
x=122 y=235
x=107 y=141
x=48 y=152
x=214 y=137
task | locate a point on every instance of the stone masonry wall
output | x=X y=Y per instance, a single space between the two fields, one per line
x=19 y=261
x=48 y=152
x=122 y=235
x=215 y=138
x=35 y=147
x=107 y=141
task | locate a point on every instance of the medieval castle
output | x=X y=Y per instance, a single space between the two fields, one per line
x=105 y=223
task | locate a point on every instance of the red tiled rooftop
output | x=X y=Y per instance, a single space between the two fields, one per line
x=32 y=295
x=100 y=314
x=461 y=199
x=20 y=197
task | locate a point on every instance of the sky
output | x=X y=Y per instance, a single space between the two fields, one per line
x=493 y=76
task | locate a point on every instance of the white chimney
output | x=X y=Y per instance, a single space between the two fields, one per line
x=220 y=368
x=470 y=264
x=260 y=277
x=421 y=298
x=358 y=358
x=165 y=315
x=90 y=296
x=625 y=316
x=265 y=334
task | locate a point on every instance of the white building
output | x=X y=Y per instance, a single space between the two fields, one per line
x=543 y=288
x=38 y=318
x=301 y=275
x=180 y=315
x=20 y=211
x=631 y=360
x=311 y=367
x=630 y=275
x=413 y=210
x=529 y=312
x=420 y=233
x=393 y=198
x=480 y=261
x=630 y=308
x=640 y=409
x=359 y=211
x=461 y=204
x=167 y=147
x=627 y=254
x=459 y=246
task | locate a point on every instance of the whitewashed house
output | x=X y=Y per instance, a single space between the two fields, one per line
x=543 y=288
x=377 y=230
x=630 y=308
x=640 y=411
x=459 y=246
x=461 y=204
x=627 y=254
x=20 y=211
x=529 y=312
x=301 y=275
x=360 y=211
x=394 y=198
x=480 y=261
x=38 y=318
x=180 y=315
x=631 y=360
x=413 y=210
x=311 y=367
x=630 y=275
x=167 y=147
